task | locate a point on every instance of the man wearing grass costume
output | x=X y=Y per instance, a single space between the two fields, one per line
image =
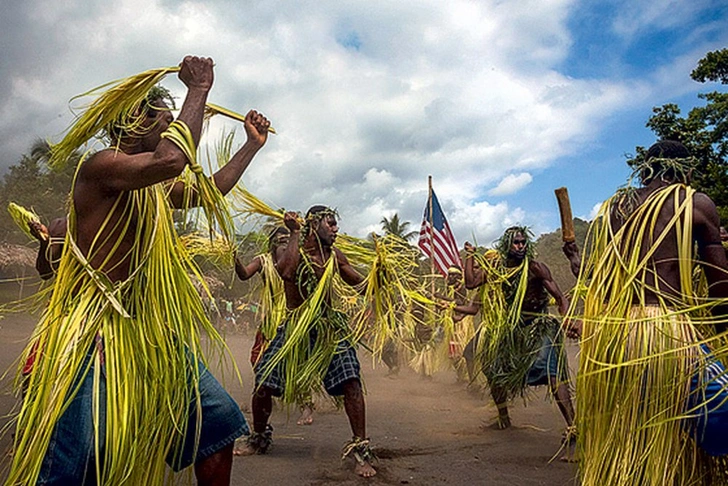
x=312 y=347
x=119 y=389
x=519 y=344
x=652 y=403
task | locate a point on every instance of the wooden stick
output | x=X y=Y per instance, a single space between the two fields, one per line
x=567 y=220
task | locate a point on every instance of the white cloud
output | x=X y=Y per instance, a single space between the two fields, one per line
x=511 y=183
x=594 y=211
x=369 y=98
x=641 y=15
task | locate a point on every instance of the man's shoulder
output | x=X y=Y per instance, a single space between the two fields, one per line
x=702 y=198
x=536 y=263
x=704 y=209
x=94 y=165
x=538 y=268
x=103 y=155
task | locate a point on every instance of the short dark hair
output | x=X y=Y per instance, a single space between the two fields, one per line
x=316 y=213
x=279 y=230
x=313 y=211
x=121 y=127
x=669 y=160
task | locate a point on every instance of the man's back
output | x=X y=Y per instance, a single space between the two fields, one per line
x=654 y=224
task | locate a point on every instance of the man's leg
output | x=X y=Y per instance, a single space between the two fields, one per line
x=222 y=423
x=262 y=405
x=503 y=421
x=356 y=412
x=268 y=382
x=563 y=399
x=70 y=457
x=215 y=470
x=355 y=407
x=560 y=390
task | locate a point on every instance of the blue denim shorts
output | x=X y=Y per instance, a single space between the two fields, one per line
x=550 y=363
x=708 y=406
x=70 y=458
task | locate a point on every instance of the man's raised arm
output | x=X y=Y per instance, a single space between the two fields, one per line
x=256 y=128
x=290 y=258
x=137 y=164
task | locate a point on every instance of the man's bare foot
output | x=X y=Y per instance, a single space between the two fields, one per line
x=393 y=371
x=569 y=456
x=501 y=422
x=568 y=444
x=306 y=417
x=364 y=469
x=359 y=450
x=255 y=443
x=242 y=448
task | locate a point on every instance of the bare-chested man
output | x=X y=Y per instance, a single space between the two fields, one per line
x=343 y=374
x=104 y=236
x=547 y=357
x=266 y=264
x=647 y=379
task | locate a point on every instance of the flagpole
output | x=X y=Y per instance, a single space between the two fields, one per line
x=432 y=235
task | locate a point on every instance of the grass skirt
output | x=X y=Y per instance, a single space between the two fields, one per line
x=633 y=392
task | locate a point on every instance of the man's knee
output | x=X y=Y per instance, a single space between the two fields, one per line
x=263 y=392
x=352 y=387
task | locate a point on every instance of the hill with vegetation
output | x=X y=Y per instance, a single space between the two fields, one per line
x=548 y=251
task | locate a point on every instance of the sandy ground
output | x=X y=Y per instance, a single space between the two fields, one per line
x=425 y=432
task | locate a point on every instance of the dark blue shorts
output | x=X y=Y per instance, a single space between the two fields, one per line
x=70 y=458
x=709 y=405
x=550 y=363
x=344 y=366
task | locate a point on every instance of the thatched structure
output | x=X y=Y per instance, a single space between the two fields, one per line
x=16 y=256
x=17 y=264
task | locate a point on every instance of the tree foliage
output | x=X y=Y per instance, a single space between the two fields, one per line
x=704 y=131
x=394 y=226
x=32 y=184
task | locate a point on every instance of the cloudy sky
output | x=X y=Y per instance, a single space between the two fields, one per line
x=500 y=101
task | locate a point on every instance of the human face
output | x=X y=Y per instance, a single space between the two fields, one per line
x=157 y=120
x=518 y=246
x=453 y=278
x=327 y=230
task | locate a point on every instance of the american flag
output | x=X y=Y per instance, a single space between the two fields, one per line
x=446 y=249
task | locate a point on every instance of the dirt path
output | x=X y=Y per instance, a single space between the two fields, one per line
x=425 y=432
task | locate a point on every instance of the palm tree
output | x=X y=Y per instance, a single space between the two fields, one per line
x=393 y=226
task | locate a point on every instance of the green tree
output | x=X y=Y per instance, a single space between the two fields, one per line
x=32 y=184
x=704 y=131
x=393 y=226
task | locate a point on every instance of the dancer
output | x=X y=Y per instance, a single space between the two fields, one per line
x=131 y=392
x=651 y=391
x=295 y=362
x=519 y=343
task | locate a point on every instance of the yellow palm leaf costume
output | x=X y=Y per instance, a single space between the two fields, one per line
x=637 y=360
x=149 y=329
x=145 y=330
